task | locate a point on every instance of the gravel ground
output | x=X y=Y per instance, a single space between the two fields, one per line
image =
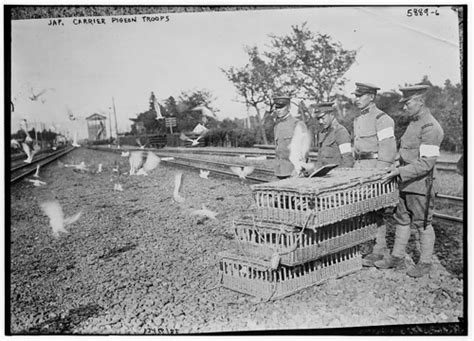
x=137 y=262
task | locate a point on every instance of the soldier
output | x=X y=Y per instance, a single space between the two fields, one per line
x=374 y=147
x=283 y=132
x=419 y=150
x=333 y=140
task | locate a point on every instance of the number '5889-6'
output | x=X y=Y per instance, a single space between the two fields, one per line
x=419 y=12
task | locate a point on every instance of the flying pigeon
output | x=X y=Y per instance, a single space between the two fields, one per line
x=36 y=175
x=34 y=97
x=299 y=147
x=152 y=161
x=242 y=172
x=74 y=142
x=118 y=187
x=177 y=185
x=54 y=211
x=80 y=167
x=136 y=161
x=195 y=142
x=14 y=144
x=29 y=153
x=204 y=110
x=204 y=174
x=36 y=182
x=204 y=212
x=141 y=171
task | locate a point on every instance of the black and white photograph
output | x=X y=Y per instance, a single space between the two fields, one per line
x=238 y=170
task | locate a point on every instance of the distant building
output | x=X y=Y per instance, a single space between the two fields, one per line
x=96 y=127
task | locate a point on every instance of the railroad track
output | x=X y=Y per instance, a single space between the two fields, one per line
x=19 y=170
x=259 y=175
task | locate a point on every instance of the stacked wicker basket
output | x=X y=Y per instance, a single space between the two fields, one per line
x=305 y=231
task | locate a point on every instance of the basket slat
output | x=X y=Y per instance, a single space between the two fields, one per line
x=240 y=275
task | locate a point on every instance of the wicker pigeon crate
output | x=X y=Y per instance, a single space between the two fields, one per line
x=312 y=202
x=253 y=277
x=294 y=246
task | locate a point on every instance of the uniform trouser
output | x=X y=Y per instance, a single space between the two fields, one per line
x=411 y=210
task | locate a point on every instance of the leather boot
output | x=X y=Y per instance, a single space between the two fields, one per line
x=419 y=270
x=370 y=259
x=391 y=262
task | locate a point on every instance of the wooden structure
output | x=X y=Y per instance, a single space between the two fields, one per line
x=96 y=127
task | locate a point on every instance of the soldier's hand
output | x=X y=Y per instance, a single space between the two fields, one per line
x=391 y=173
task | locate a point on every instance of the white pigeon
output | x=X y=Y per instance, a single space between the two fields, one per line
x=204 y=110
x=74 y=142
x=14 y=144
x=141 y=171
x=299 y=147
x=36 y=182
x=82 y=166
x=118 y=187
x=125 y=154
x=242 y=172
x=204 y=212
x=136 y=161
x=142 y=146
x=99 y=170
x=29 y=153
x=36 y=175
x=54 y=211
x=53 y=148
x=152 y=161
x=195 y=142
x=204 y=174
x=177 y=185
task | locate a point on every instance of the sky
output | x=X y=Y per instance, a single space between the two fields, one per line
x=84 y=66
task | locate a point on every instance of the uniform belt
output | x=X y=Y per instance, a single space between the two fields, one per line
x=366 y=156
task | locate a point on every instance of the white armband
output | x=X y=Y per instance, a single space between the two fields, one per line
x=385 y=133
x=429 y=150
x=345 y=148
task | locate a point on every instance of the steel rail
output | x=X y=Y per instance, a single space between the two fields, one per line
x=41 y=162
x=181 y=161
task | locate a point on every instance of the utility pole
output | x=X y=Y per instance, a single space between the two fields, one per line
x=115 y=115
x=110 y=123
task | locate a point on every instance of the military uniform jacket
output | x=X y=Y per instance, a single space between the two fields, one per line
x=374 y=133
x=283 y=133
x=334 y=146
x=419 y=150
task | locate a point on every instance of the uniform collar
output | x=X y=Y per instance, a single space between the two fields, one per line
x=423 y=113
x=368 y=108
x=283 y=118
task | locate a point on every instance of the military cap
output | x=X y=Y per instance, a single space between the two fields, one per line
x=365 y=88
x=410 y=91
x=323 y=108
x=281 y=101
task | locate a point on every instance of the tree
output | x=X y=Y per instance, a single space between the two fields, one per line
x=309 y=65
x=254 y=83
x=187 y=118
